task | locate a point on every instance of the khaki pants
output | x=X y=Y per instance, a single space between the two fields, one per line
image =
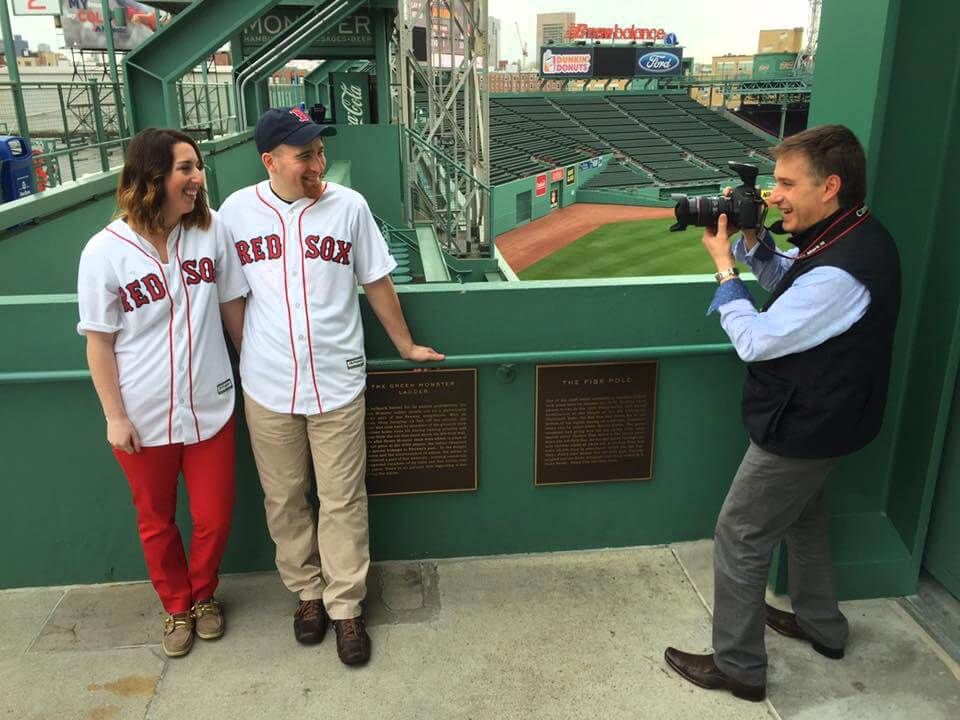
x=329 y=559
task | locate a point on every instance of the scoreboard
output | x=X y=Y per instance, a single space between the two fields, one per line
x=558 y=62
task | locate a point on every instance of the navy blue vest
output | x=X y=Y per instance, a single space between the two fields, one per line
x=828 y=401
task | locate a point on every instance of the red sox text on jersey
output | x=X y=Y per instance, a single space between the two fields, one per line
x=195 y=272
x=270 y=247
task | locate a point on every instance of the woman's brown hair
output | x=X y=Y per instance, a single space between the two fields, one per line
x=148 y=161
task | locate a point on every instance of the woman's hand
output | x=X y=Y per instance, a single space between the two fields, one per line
x=122 y=435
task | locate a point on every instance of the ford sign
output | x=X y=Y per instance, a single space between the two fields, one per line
x=659 y=62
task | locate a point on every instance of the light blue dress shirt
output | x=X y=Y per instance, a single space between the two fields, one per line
x=820 y=304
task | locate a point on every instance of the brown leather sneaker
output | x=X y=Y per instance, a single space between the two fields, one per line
x=353 y=643
x=208 y=619
x=310 y=622
x=786 y=624
x=177 y=634
x=703 y=672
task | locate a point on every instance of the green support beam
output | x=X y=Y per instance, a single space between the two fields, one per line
x=316 y=85
x=252 y=77
x=153 y=69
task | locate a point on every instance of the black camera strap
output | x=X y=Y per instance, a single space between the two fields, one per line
x=840 y=227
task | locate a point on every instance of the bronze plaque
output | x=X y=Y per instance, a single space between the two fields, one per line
x=421 y=431
x=595 y=422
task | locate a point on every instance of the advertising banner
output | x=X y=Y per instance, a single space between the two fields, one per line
x=658 y=62
x=556 y=175
x=354 y=31
x=82 y=23
x=571 y=175
x=566 y=62
x=36 y=7
x=540 y=185
x=608 y=61
x=351 y=98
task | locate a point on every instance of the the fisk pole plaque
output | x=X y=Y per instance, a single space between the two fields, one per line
x=595 y=422
x=421 y=431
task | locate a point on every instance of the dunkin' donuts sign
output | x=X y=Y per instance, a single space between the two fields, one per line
x=566 y=62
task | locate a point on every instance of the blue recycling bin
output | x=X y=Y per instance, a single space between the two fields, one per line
x=16 y=176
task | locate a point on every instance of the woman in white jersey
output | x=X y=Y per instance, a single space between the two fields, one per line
x=151 y=288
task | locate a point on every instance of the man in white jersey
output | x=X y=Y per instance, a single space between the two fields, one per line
x=304 y=245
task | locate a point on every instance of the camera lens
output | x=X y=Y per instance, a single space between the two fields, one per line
x=700 y=210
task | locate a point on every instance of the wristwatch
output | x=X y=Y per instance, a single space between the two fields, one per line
x=728 y=273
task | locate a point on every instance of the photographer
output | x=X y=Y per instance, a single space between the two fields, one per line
x=818 y=364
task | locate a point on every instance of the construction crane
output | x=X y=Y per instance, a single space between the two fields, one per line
x=523 y=48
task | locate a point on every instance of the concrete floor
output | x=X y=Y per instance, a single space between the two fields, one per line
x=571 y=635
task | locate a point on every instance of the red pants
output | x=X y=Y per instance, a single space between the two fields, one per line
x=208 y=470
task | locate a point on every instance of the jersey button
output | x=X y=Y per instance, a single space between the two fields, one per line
x=300 y=337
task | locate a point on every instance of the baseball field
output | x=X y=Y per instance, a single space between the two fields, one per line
x=598 y=241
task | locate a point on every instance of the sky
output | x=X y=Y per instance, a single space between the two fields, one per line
x=705 y=28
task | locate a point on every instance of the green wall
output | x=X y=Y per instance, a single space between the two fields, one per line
x=855 y=56
x=59 y=475
x=505 y=196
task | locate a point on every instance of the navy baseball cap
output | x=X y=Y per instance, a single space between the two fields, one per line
x=287 y=125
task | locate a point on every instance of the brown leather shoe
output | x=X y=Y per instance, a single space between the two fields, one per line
x=209 y=623
x=353 y=643
x=310 y=622
x=786 y=624
x=177 y=634
x=703 y=672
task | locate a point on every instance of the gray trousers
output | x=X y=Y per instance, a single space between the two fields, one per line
x=772 y=498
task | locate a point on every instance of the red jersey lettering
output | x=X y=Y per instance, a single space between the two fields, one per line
x=243 y=252
x=156 y=289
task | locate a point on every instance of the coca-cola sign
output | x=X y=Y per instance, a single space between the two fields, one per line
x=351 y=98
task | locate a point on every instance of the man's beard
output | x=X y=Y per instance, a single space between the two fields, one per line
x=313 y=190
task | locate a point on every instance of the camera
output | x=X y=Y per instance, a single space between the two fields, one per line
x=744 y=208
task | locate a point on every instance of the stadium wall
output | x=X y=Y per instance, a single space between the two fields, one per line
x=505 y=196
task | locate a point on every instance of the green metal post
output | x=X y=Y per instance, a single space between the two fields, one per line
x=236 y=58
x=66 y=131
x=98 y=123
x=184 y=120
x=381 y=55
x=114 y=76
x=449 y=205
x=783 y=115
x=206 y=94
x=9 y=51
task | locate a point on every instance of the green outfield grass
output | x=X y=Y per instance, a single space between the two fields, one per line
x=629 y=249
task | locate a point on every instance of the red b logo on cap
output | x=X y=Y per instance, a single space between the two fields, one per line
x=300 y=114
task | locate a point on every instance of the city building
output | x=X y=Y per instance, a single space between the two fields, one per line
x=780 y=41
x=493 y=42
x=551 y=27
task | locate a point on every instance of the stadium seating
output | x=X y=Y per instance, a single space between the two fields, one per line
x=669 y=137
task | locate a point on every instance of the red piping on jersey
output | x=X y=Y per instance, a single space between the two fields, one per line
x=306 y=308
x=286 y=297
x=186 y=294
x=166 y=286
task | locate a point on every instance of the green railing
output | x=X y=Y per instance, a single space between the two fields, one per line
x=286 y=95
x=75 y=128
x=80 y=127
x=207 y=108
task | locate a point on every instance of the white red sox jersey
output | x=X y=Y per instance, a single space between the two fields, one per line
x=174 y=371
x=302 y=337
